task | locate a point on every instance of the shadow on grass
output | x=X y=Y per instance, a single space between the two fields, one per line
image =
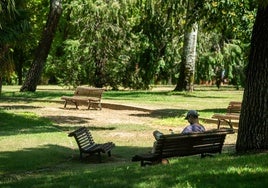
x=171 y=113
x=69 y=119
x=26 y=123
x=220 y=171
x=48 y=157
x=29 y=96
x=18 y=107
x=29 y=123
x=33 y=158
x=144 y=94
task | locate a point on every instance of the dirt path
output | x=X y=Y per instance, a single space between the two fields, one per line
x=111 y=113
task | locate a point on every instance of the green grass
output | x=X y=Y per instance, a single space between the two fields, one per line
x=35 y=152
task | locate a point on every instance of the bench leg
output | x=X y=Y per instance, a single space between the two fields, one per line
x=99 y=156
x=154 y=162
x=143 y=163
x=65 y=103
x=203 y=155
x=100 y=106
x=219 y=123
x=230 y=124
x=89 y=105
x=76 y=104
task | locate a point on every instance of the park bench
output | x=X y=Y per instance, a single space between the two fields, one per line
x=85 y=95
x=178 y=145
x=87 y=145
x=232 y=115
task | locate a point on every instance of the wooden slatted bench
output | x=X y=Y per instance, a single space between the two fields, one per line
x=231 y=116
x=87 y=145
x=178 y=145
x=85 y=95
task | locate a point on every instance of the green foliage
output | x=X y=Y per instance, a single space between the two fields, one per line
x=134 y=43
x=67 y=70
x=234 y=19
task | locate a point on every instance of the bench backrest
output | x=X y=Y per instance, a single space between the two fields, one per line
x=88 y=92
x=83 y=138
x=234 y=107
x=190 y=144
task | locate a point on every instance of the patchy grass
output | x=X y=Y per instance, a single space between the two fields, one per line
x=36 y=152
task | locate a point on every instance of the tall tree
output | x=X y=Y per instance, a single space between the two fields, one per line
x=35 y=72
x=253 y=124
x=187 y=65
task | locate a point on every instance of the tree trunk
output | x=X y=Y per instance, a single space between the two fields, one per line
x=1 y=85
x=99 y=73
x=253 y=124
x=35 y=72
x=187 y=66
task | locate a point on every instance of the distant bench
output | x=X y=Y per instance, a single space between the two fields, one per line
x=85 y=95
x=87 y=145
x=231 y=116
x=178 y=145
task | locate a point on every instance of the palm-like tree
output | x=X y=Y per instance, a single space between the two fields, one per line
x=13 y=23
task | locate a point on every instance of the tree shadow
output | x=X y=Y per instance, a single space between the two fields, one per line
x=48 y=157
x=171 y=113
x=27 y=159
x=26 y=123
x=69 y=119
x=123 y=107
x=18 y=107
x=115 y=171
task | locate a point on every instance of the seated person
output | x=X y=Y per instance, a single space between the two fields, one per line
x=195 y=126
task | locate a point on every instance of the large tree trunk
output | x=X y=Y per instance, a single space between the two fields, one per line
x=1 y=85
x=35 y=72
x=3 y=64
x=253 y=124
x=99 y=73
x=187 y=66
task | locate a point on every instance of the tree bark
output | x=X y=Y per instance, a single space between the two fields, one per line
x=187 y=66
x=1 y=84
x=35 y=72
x=253 y=123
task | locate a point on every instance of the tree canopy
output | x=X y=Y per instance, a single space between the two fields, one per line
x=135 y=43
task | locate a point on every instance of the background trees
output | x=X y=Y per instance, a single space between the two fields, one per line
x=135 y=43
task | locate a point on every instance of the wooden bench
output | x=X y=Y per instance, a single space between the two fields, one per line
x=85 y=95
x=87 y=145
x=178 y=145
x=232 y=114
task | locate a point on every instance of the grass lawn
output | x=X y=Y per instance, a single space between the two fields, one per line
x=36 y=152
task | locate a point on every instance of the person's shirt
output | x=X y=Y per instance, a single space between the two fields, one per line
x=193 y=128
